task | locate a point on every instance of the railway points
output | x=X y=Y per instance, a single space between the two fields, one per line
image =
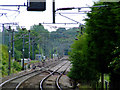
x=33 y=78
x=50 y=81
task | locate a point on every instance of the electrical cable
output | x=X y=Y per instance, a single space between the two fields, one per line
x=69 y=18
x=12 y=14
x=1 y=15
x=8 y=9
x=7 y=17
x=55 y=27
x=16 y=16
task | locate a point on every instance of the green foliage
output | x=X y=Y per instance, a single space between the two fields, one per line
x=34 y=61
x=38 y=35
x=0 y=37
x=44 y=41
x=107 y=77
x=61 y=39
x=82 y=67
x=103 y=35
x=4 y=59
x=17 y=54
x=4 y=62
x=17 y=66
x=19 y=44
x=115 y=65
x=100 y=48
x=4 y=70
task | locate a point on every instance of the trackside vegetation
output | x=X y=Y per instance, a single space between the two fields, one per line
x=15 y=67
x=97 y=50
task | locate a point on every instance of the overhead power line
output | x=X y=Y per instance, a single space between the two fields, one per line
x=9 y=10
x=70 y=8
x=69 y=18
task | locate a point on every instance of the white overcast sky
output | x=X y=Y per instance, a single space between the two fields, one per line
x=29 y=18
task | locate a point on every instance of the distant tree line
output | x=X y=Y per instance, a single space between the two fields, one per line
x=41 y=42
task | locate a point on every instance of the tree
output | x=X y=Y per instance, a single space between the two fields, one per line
x=103 y=35
x=4 y=61
x=19 y=43
x=39 y=39
x=82 y=67
x=61 y=39
x=102 y=43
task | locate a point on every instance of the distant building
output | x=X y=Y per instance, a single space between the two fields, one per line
x=26 y=62
x=39 y=57
x=55 y=55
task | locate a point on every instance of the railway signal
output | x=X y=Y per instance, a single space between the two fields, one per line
x=36 y=5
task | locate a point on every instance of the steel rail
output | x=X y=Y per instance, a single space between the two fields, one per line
x=42 y=81
x=15 y=78
x=57 y=80
x=20 y=76
x=17 y=87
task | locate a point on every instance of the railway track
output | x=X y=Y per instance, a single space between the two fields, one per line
x=33 y=82
x=51 y=81
x=14 y=83
x=62 y=72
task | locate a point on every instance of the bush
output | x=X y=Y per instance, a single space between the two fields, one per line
x=4 y=62
x=17 y=66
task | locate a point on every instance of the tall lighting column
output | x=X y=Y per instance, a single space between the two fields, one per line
x=29 y=44
x=9 y=63
x=13 y=44
x=3 y=34
x=23 y=52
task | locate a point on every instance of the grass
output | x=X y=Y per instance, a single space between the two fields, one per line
x=106 y=77
x=82 y=87
x=34 y=61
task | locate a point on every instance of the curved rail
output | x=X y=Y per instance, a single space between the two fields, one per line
x=27 y=79
x=57 y=80
x=20 y=76
x=16 y=78
x=42 y=81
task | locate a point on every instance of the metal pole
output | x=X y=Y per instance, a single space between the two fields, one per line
x=23 y=53
x=33 y=49
x=39 y=51
x=13 y=44
x=9 y=65
x=29 y=44
x=3 y=34
x=54 y=11
x=39 y=47
x=44 y=48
